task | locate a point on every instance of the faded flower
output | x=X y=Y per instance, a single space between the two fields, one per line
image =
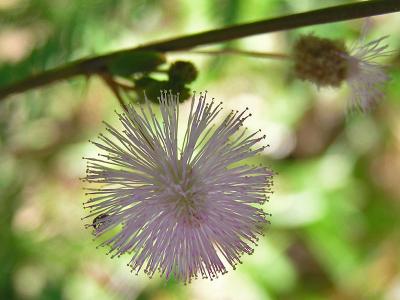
x=181 y=208
x=364 y=76
x=328 y=62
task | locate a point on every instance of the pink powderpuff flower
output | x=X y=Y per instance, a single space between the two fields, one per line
x=180 y=210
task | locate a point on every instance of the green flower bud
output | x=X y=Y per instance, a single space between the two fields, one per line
x=152 y=88
x=182 y=72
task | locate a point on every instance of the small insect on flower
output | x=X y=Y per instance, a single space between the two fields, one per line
x=328 y=62
x=99 y=222
x=182 y=207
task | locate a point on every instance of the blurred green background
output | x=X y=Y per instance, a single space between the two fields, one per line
x=336 y=203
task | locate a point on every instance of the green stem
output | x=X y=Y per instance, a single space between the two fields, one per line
x=108 y=80
x=98 y=64
x=240 y=52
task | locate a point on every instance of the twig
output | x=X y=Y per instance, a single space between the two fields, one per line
x=114 y=88
x=98 y=64
x=241 y=52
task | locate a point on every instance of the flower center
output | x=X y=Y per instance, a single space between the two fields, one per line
x=187 y=202
x=188 y=205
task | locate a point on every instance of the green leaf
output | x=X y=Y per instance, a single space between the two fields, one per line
x=135 y=62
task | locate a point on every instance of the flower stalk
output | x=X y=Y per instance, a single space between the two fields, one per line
x=229 y=51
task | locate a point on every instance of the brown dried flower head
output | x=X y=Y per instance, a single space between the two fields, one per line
x=318 y=60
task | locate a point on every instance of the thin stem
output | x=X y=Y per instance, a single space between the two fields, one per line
x=114 y=88
x=98 y=64
x=241 y=52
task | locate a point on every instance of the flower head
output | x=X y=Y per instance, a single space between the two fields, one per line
x=179 y=208
x=328 y=62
